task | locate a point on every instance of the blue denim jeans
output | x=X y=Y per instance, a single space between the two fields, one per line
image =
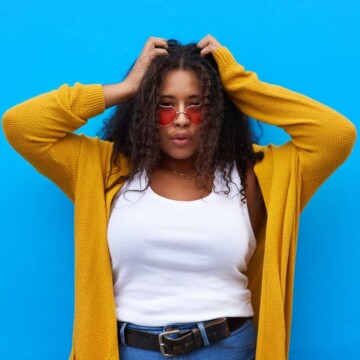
x=240 y=345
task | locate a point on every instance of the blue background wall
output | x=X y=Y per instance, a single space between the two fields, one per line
x=309 y=46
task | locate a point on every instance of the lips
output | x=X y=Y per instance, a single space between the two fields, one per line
x=181 y=136
x=181 y=139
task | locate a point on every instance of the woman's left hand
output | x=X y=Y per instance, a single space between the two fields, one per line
x=208 y=45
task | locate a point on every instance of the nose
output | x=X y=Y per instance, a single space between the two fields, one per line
x=181 y=119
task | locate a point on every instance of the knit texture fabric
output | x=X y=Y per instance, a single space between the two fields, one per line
x=41 y=130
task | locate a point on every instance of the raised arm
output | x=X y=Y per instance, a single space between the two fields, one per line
x=41 y=129
x=323 y=137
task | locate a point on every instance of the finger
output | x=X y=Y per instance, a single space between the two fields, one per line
x=157 y=52
x=205 y=41
x=209 y=49
x=155 y=41
x=157 y=38
x=205 y=51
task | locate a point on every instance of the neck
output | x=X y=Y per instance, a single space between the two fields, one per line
x=184 y=166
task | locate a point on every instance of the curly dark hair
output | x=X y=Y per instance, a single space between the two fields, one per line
x=225 y=133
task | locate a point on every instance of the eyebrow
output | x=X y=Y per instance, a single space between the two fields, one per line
x=173 y=97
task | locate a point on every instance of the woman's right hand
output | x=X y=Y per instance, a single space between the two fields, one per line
x=153 y=47
x=117 y=93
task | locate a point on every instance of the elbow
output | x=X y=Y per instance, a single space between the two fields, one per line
x=14 y=129
x=343 y=141
x=348 y=138
x=352 y=132
x=336 y=143
x=8 y=127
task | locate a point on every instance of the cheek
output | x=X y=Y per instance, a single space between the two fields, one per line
x=197 y=140
x=162 y=137
x=196 y=134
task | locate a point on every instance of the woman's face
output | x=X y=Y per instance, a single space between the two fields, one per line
x=180 y=139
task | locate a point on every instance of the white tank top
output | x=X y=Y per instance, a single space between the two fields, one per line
x=180 y=261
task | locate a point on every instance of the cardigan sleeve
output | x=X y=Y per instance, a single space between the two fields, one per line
x=322 y=137
x=41 y=130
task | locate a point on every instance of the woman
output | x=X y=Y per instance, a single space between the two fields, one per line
x=167 y=210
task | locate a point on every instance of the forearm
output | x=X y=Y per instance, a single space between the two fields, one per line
x=41 y=130
x=323 y=136
x=49 y=117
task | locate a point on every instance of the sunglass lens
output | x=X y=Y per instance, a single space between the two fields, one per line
x=167 y=115
x=194 y=114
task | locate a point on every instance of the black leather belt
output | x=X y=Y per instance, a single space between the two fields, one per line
x=186 y=340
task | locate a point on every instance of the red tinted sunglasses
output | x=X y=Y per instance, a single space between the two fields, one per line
x=168 y=114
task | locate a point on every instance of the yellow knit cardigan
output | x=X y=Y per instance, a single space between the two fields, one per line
x=41 y=130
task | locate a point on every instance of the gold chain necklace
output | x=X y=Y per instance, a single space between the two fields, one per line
x=186 y=175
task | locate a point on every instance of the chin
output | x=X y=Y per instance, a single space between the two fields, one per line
x=180 y=155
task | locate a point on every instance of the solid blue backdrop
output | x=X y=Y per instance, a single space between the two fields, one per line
x=308 y=46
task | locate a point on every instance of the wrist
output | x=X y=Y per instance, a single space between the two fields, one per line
x=118 y=93
x=223 y=56
x=128 y=89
